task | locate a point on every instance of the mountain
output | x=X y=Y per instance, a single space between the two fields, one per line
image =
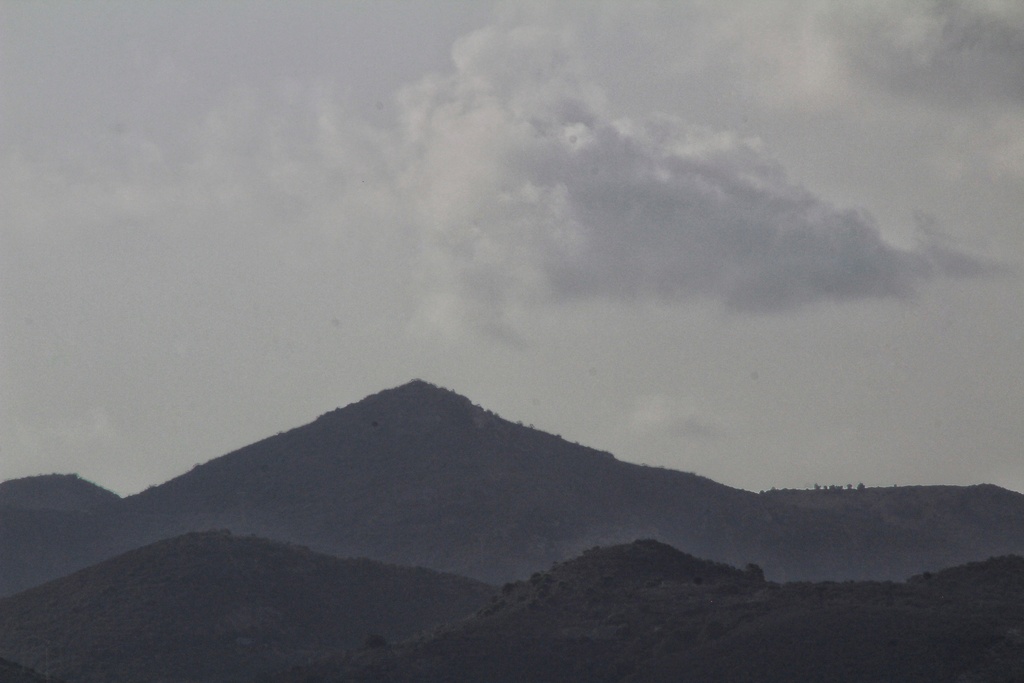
x=66 y=492
x=418 y=475
x=213 y=606
x=645 y=612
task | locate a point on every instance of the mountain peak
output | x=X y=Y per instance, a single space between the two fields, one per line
x=418 y=389
x=417 y=404
x=417 y=384
x=415 y=395
x=648 y=560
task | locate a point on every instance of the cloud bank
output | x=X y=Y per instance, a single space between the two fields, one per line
x=948 y=53
x=504 y=185
x=526 y=190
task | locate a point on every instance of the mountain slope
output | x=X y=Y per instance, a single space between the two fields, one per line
x=38 y=545
x=648 y=613
x=212 y=605
x=419 y=475
x=50 y=525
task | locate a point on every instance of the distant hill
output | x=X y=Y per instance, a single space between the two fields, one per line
x=67 y=492
x=38 y=545
x=213 y=606
x=971 y=522
x=647 y=613
x=49 y=525
x=418 y=475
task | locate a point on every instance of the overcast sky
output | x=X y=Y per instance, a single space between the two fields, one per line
x=775 y=244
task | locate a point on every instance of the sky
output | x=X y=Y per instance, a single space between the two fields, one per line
x=774 y=244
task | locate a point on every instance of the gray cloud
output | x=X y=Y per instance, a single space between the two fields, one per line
x=529 y=191
x=960 y=53
x=679 y=417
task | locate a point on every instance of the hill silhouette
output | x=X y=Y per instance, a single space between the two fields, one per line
x=49 y=526
x=648 y=613
x=419 y=475
x=67 y=492
x=213 y=606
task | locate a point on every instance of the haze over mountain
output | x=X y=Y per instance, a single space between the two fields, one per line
x=212 y=606
x=419 y=475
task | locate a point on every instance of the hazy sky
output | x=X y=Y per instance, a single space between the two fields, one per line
x=773 y=243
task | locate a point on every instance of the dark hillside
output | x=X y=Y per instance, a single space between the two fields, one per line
x=213 y=606
x=39 y=545
x=67 y=492
x=50 y=525
x=11 y=672
x=646 y=613
x=418 y=475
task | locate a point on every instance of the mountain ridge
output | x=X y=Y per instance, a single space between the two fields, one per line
x=437 y=456
x=419 y=475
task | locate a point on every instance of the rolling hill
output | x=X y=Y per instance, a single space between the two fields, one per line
x=418 y=475
x=213 y=606
x=647 y=613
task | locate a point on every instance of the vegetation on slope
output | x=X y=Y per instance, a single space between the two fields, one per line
x=212 y=606
x=647 y=613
